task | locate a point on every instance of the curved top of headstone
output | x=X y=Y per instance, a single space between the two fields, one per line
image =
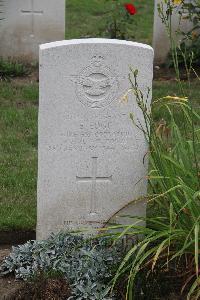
x=94 y=41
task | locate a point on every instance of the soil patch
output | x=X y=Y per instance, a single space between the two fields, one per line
x=163 y=73
x=49 y=289
x=4 y=251
x=40 y=289
x=9 y=288
x=8 y=285
x=16 y=237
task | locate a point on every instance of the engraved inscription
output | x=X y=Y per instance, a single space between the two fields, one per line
x=84 y=222
x=32 y=12
x=104 y=134
x=94 y=179
x=96 y=86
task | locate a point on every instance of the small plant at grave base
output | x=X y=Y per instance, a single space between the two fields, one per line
x=120 y=15
x=171 y=239
x=87 y=265
x=10 y=69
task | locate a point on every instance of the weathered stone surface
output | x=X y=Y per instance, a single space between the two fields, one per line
x=91 y=157
x=28 y=23
x=161 y=41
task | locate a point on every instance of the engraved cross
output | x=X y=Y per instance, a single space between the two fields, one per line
x=32 y=12
x=94 y=179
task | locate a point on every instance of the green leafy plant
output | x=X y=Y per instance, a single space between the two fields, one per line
x=172 y=234
x=12 y=69
x=170 y=241
x=88 y=265
x=120 y=15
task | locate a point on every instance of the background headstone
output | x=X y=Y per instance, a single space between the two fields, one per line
x=161 y=41
x=91 y=157
x=28 y=23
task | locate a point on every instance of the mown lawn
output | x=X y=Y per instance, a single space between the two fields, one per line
x=89 y=18
x=18 y=148
x=18 y=154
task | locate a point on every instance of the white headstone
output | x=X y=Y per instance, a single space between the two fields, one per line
x=91 y=157
x=161 y=41
x=29 y=23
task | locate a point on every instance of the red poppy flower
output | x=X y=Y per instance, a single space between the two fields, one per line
x=131 y=9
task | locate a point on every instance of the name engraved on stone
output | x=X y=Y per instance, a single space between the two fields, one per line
x=32 y=12
x=100 y=134
x=95 y=136
x=94 y=179
x=96 y=86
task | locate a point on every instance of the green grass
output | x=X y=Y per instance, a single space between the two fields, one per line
x=171 y=88
x=18 y=148
x=89 y=19
x=18 y=155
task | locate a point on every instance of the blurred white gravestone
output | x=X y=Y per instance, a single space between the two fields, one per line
x=91 y=157
x=161 y=41
x=29 y=23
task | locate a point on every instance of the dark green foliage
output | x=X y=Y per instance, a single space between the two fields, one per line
x=172 y=234
x=12 y=69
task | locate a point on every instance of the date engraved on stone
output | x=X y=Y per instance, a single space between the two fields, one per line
x=96 y=86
